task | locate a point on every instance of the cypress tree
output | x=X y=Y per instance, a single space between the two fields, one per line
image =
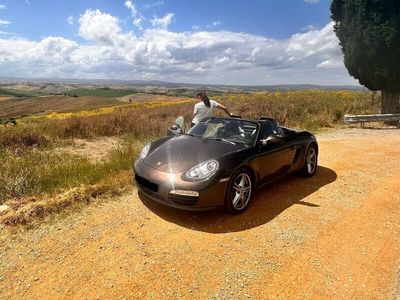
x=369 y=34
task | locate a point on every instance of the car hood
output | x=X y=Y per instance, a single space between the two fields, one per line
x=180 y=153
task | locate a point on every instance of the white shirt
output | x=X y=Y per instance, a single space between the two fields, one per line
x=201 y=111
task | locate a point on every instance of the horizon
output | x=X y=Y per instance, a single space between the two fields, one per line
x=132 y=81
x=225 y=43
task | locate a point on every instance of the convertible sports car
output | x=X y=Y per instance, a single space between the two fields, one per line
x=220 y=162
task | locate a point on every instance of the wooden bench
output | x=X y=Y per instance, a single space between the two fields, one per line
x=349 y=119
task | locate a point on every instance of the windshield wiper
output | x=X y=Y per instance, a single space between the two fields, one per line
x=191 y=134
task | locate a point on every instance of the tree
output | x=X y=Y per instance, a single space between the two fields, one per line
x=369 y=34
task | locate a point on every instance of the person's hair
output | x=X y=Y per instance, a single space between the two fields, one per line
x=205 y=98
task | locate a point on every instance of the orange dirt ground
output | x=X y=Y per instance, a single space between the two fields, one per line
x=336 y=235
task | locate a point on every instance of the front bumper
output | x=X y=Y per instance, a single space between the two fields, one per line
x=157 y=186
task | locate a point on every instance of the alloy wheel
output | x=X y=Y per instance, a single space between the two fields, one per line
x=311 y=161
x=241 y=191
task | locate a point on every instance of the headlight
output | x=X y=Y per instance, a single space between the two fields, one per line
x=203 y=171
x=144 y=152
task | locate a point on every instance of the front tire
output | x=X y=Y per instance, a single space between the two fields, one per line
x=239 y=192
x=311 y=162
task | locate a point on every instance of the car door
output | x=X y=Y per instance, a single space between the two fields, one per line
x=274 y=158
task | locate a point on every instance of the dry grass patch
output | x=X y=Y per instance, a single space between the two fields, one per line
x=30 y=209
x=33 y=172
x=95 y=150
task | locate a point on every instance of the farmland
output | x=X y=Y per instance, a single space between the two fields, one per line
x=100 y=92
x=28 y=106
x=18 y=93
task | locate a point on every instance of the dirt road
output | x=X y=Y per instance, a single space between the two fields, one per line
x=336 y=235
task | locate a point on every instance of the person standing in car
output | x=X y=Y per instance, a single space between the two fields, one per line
x=205 y=107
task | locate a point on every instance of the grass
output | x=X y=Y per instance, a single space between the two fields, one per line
x=310 y=110
x=33 y=175
x=21 y=136
x=142 y=121
x=30 y=209
x=30 y=172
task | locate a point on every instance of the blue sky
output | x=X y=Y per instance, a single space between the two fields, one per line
x=220 y=41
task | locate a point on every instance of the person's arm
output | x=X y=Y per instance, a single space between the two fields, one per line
x=223 y=108
x=195 y=111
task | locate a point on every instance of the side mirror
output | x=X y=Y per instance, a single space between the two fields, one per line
x=272 y=139
x=177 y=128
x=174 y=129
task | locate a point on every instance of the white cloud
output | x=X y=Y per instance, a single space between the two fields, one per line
x=132 y=8
x=101 y=28
x=162 y=22
x=330 y=63
x=207 y=26
x=138 y=18
x=70 y=20
x=314 y=43
x=213 y=24
x=311 y=1
x=138 y=22
x=156 y=4
x=201 y=56
x=2 y=6
x=309 y=27
x=4 y=22
x=5 y=33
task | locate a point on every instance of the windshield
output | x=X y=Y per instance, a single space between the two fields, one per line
x=234 y=131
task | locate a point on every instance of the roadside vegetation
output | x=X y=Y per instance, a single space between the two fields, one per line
x=33 y=173
x=312 y=110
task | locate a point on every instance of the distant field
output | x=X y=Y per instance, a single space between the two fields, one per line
x=119 y=93
x=143 y=97
x=2 y=98
x=17 y=107
x=101 y=92
x=28 y=106
x=193 y=93
x=23 y=87
x=18 y=93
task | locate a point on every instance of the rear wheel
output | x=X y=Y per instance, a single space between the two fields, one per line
x=239 y=192
x=311 y=161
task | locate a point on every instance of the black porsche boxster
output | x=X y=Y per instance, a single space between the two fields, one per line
x=220 y=162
